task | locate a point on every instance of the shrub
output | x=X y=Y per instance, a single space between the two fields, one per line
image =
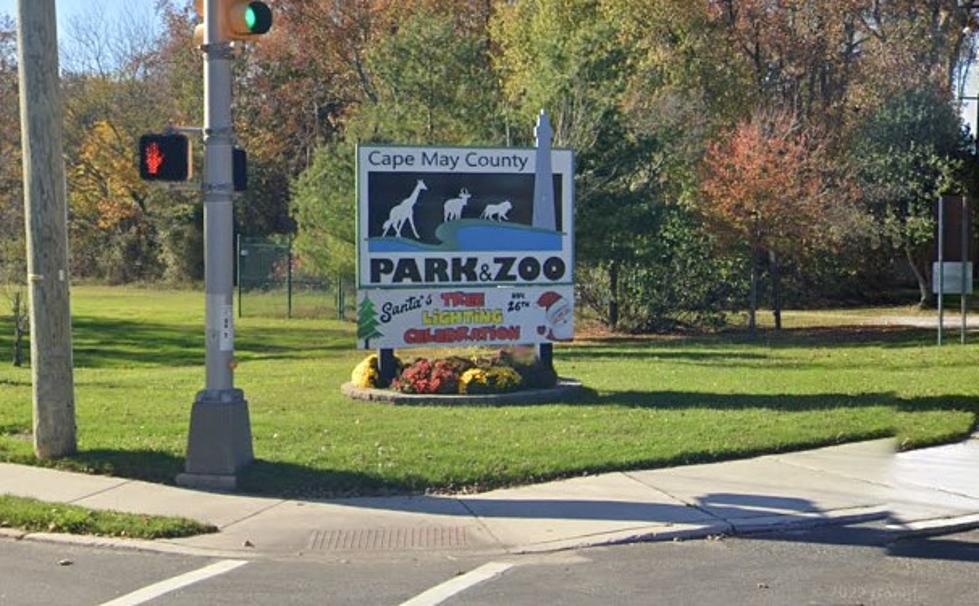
x=496 y=379
x=504 y=371
x=424 y=376
x=367 y=374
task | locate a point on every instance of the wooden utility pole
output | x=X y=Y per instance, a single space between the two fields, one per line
x=46 y=219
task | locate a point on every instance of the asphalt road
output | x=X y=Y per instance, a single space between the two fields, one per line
x=830 y=567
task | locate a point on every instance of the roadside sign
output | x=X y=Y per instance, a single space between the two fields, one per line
x=464 y=246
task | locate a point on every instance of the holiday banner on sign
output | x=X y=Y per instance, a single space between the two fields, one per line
x=493 y=226
x=398 y=318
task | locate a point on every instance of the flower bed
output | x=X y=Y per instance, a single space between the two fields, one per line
x=504 y=371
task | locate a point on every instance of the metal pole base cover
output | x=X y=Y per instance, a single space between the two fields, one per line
x=219 y=446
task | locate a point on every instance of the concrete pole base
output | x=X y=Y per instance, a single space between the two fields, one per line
x=219 y=445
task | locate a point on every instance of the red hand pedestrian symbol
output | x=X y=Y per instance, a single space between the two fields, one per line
x=154 y=159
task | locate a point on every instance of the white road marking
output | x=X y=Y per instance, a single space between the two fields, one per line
x=441 y=593
x=155 y=590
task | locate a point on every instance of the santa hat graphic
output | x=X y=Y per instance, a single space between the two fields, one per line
x=559 y=314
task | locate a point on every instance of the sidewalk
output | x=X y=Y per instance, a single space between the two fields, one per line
x=837 y=485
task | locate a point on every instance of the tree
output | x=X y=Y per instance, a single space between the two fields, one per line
x=431 y=83
x=909 y=152
x=566 y=57
x=802 y=54
x=13 y=265
x=927 y=42
x=324 y=206
x=765 y=187
x=11 y=197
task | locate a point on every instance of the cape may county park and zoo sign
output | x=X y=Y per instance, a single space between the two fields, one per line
x=462 y=246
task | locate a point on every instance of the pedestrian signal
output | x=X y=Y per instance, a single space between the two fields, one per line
x=164 y=158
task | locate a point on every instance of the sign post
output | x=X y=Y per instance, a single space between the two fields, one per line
x=952 y=271
x=964 y=297
x=463 y=247
x=941 y=269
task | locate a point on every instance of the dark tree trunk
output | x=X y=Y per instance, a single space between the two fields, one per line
x=753 y=301
x=613 y=299
x=776 y=288
x=925 y=298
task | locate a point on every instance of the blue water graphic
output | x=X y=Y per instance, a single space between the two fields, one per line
x=473 y=235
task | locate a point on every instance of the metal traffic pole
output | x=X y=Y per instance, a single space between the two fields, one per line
x=219 y=445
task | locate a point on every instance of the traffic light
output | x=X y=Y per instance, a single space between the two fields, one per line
x=164 y=157
x=238 y=20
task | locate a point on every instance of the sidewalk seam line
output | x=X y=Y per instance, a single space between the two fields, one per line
x=483 y=525
x=778 y=459
x=101 y=491
x=676 y=498
x=254 y=513
x=942 y=490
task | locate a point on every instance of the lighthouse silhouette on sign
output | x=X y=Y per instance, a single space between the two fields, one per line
x=544 y=176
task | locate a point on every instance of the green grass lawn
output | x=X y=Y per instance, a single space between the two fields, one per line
x=657 y=401
x=37 y=516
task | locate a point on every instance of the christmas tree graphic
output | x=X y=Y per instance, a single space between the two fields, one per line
x=367 y=322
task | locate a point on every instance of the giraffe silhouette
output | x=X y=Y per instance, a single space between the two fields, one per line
x=404 y=211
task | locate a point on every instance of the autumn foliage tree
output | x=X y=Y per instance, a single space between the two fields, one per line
x=765 y=186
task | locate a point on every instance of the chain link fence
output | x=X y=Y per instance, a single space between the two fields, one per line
x=271 y=283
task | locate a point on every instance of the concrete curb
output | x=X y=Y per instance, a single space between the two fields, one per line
x=766 y=524
x=641 y=534
x=748 y=526
x=139 y=545
x=646 y=534
x=566 y=389
x=935 y=527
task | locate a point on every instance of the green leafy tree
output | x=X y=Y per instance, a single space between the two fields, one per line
x=324 y=209
x=567 y=58
x=13 y=265
x=907 y=153
x=432 y=84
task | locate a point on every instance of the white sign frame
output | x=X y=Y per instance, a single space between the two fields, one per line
x=503 y=276
x=523 y=163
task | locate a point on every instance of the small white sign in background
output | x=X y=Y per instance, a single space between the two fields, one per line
x=952 y=278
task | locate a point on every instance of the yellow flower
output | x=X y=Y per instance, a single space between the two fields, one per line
x=492 y=380
x=366 y=374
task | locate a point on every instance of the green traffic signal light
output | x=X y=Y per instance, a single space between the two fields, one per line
x=258 y=17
